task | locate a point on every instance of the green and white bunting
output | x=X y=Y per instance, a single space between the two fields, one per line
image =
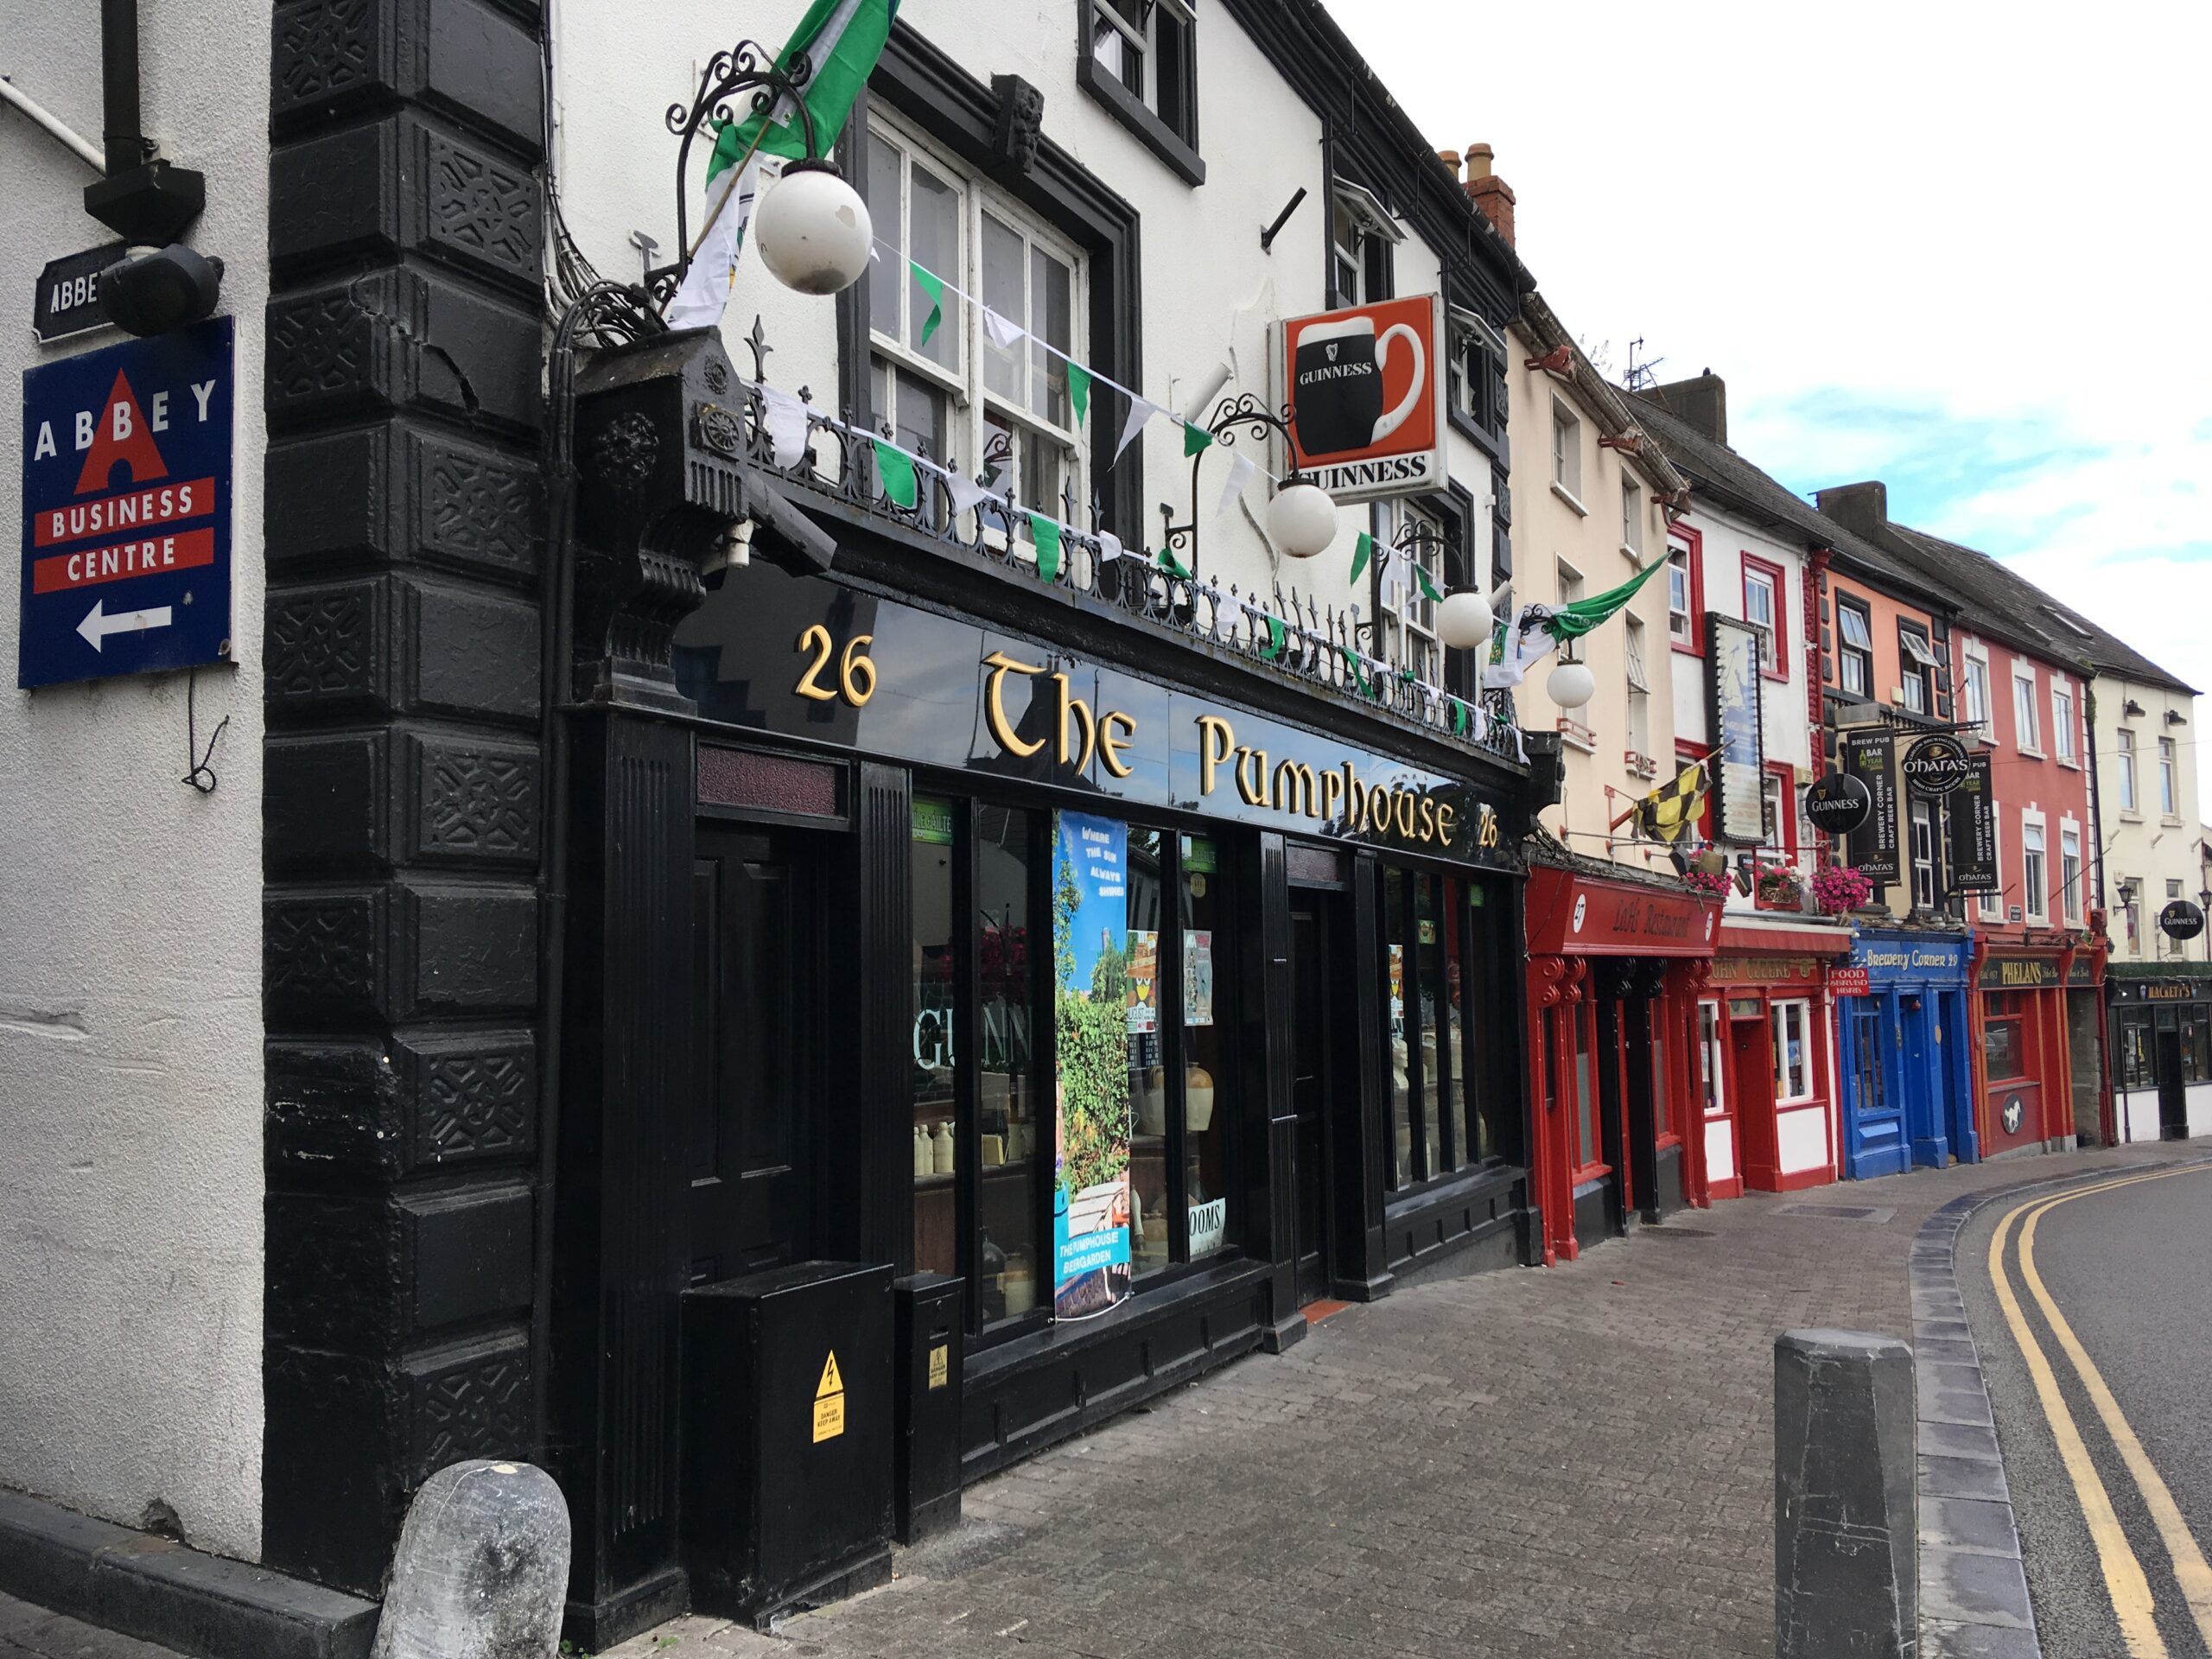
x=894 y=475
x=1045 y=534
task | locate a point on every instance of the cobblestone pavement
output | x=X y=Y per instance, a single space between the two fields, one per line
x=25 y=1630
x=1577 y=1462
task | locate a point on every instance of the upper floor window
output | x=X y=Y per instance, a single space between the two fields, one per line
x=1632 y=516
x=1478 y=394
x=2125 y=757
x=2070 y=871
x=1139 y=59
x=2026 y=736
x=1639 y=691
x=1762 y=609
x=2062 y=721
x=1917 y=671
x=1978 y=703
x=2033 y=893
x=940 y=391
x=2168 y=947
x=2131 y=909
x=1854 y=649
x=1363 y=243
x=1777 y=804
x=1409 y=615
x=2167 y=796
x=1686 y=591
x=1924 y=854
x=1566 y=451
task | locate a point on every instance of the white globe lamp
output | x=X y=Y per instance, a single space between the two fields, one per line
x=1302 y=520
x=1570 y=685
x=1465 y=619
x=813 y=230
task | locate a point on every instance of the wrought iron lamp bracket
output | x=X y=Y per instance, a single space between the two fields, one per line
x=1246 y=413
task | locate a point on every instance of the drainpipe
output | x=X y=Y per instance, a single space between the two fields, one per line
x=144 y=200
x=126 y=145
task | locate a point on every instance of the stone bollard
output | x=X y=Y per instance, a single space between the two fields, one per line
x=1846 y=1535
x=482 y=1569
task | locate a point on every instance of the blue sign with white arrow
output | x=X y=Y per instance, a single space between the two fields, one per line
x=127 y=509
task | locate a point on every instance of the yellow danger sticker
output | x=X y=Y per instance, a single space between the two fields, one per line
x=829 y=1402
x=940 y=1365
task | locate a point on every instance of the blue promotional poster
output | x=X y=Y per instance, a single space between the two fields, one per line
x=127 y=509
x=1090 y=1200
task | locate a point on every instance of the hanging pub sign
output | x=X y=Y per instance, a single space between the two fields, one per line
x=1934 y=765
x=1971 y=813
x=127 y=509
x=1738 y=763
x=2181 y=919
x=1837 y=803
x=1870 y=755
x=1365 y=391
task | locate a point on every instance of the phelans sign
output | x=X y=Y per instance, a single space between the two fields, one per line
x=127 y=509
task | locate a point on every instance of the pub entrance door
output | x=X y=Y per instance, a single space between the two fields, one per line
x=2173 y=1091
x=1315 y=1064
x=751 y=1132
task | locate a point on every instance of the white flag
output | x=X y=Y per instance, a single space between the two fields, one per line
x=1003 y=331
x=1109 y=547
x=784 y=417
x=1139 y=412
x=1240 y=474
x=699 y=302
x=966 y=493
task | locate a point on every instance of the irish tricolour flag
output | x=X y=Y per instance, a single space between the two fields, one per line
x=840 y=42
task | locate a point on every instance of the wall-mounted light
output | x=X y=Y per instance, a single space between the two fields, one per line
x=1570 y=685
x=814 y=230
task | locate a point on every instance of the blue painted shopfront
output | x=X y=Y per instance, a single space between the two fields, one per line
x=1908 y=1094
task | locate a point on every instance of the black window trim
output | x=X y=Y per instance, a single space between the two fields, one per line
x=1179 y=150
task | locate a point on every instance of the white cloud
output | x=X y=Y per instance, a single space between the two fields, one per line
x=1958 y=250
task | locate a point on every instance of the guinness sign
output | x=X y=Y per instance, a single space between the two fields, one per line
x=1838 y=803
x=2181 y=919
x=1935 y=765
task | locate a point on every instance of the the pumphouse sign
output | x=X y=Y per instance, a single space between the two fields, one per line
x=127 y=509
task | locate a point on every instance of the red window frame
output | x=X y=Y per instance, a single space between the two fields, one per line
x=1685 y=753
x=1786 y=824
x=1692 y=543
x=2006 y=1008
x=1782 y=643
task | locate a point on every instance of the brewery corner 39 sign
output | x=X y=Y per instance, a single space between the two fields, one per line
x=1366 y=397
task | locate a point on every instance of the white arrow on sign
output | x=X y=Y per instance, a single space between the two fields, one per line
x=97 y=624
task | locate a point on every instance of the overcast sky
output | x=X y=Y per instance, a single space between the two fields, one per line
x=1958 y=247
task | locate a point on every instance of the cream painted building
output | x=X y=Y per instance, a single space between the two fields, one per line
x=2143 y=724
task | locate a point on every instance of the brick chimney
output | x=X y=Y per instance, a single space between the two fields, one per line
x=1701 y=404
x=1862 y=509
x=1491 y=193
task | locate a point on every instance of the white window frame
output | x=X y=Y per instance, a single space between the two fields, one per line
x=1411 y=620
x=1771 y=808
x=2069 y=885
x=1919 y=674
x=1769 y=630
x=1469 y=330
x=1920 y=816
x=1633 y=635
x=2062 y=746
x=2169 y=947
x=2169 y=780
x=1145 y=40
x=1357 y=208
x=2035 y=855
x=1712 y=1079
x=2130 y=906
x=1793 y=1086
x=1566 y=454
x=2026 y=737
x=1854 y=654
x=1631 y=517
x=2123 y=750
x=1978 y=694
x=1681 y=627
x=973 y=404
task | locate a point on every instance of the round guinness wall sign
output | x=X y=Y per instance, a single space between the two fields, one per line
x=1935 y=765
x=2181 y=919
x=1838 y=803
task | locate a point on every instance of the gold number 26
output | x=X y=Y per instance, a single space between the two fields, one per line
x=855 y=671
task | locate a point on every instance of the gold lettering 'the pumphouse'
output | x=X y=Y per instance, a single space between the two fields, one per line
x=1105 y=735
x=1415 y=815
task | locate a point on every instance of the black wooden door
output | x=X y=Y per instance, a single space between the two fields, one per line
x=751 y=1124
x=1309 y=1093
x=2173 y=1092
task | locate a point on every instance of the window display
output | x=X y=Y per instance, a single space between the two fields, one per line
x=1447 y=1109
x=1401 y=1093
x=1205 y=1176
x=936 y=1238
x=2002 y=1047
x=1793 y=1052
x=1091 y=1207
x=1007 y=1261
x=1147 y=1058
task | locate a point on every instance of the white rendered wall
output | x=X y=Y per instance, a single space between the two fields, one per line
x=1720 y=1149
x=2145 y=844
x=1801 y=1135
x=1210 y=293
x=130 y=1068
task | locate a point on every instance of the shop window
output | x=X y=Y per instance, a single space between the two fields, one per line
x=2195 y=1050
x=1793 y=1052
x=1686 y=590
x=1663 y=1117
x=2168 y=800
x=1866 y=1055
x=2027 y=736
x=1139 y=59
x=2125 y=756
x=2004 y=1032
x=1145 y=1035
x=1014 y=1127
x=1396 y=966
x=1917 y=674
x=936 y=1235
x=937 y=391
x=1205 y=1068
x=1764 y=611
x=1448 y=1109
x=1709 y=1074
x=2033 y=897
x=1854 y=649
x=2138 y=1064
x=2070 y=872
x=1590 y=1150
x=1432 y=998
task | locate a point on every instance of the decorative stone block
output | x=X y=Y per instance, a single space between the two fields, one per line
x=330 y=58
x=473 y=1401
x=472 y=800
x=396 y=645
x=468 y=1254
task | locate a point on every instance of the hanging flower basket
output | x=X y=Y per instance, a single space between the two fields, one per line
x=1713 y=884
x=1838 y=891
x=1776 y=887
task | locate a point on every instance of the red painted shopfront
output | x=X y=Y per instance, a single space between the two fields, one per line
x=2039 y=1045
x=1614 y=966
x=1765 y=1043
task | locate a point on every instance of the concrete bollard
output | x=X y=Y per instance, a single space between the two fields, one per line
x=1845 y=1533
x=482 y=1569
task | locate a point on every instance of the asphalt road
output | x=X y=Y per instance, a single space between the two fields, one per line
x=2129 y=1269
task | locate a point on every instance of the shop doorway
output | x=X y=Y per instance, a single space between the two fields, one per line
x=2173 y=1091
x=2085 y=1051
x=757 y=925
x=1750 y=1054
x=1314 y=1066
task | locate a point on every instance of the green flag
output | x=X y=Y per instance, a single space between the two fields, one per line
x=1428 y=586
x=1046 y=533
x=1079 y=390
x=1362 y=550
x=1273 y=649
x=1459 y=717
x=1572 y=621
x=894 y=475
x=1358 y=670
x=1196 y=439
x=1167 y=563
x=933 y=285
x=840 y=40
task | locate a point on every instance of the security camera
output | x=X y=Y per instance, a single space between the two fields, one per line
x=150 y=290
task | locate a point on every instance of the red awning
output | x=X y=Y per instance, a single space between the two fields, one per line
x=1741 y=937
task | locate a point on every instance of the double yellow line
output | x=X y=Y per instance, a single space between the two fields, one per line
x=2124 y=1576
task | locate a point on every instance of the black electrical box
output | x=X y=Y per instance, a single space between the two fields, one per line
x=788 y=1418
x=926 y=1466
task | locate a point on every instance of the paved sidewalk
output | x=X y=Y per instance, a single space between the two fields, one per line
x=1577 y=1462
x=25 y=1629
